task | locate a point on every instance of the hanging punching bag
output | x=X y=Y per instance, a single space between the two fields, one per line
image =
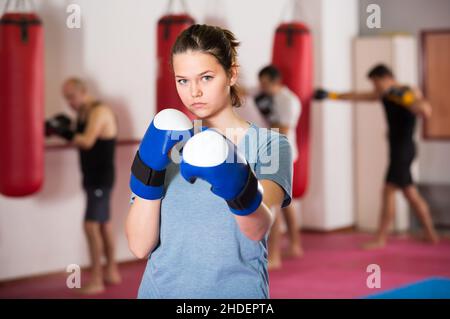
x=292 y=55
x=21 y=104
x=169 y=27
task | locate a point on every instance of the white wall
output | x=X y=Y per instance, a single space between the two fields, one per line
x=329 y=202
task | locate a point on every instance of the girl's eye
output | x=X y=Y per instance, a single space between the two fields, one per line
x=182 y=81
x=207 y=78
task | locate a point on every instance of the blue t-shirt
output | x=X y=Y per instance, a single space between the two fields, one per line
x=202 y=253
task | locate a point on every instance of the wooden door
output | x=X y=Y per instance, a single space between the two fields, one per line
x=436 y=82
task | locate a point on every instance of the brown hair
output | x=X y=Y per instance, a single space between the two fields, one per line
x=380 y=71
x=78 y=83
x=220 y=43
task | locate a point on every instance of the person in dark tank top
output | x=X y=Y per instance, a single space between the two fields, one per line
x=402 y=104
x=95 y=136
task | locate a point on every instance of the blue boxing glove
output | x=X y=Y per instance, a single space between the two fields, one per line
x=168 y=127
x=210 y=156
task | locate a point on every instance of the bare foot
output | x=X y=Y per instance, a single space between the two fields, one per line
x=112 y=276
x=92 y=288
x=274 y=263
x=294 y=251
x=374 y=244
x=432 y=238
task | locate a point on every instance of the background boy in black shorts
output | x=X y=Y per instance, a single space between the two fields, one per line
x=95 y=137
x=401 y=104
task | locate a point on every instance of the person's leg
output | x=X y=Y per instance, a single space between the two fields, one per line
x=112 y=275
x=387 y=215
x=295 y=247
x=94 y=239
x=422 y=211
x=274 y=258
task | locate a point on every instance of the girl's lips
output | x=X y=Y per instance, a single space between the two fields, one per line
x=198 y=105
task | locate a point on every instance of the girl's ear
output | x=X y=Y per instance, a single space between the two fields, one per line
x=234 y=74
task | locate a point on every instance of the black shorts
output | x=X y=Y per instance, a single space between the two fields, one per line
x=399 y=174
x=97 y=204
x=399 y=170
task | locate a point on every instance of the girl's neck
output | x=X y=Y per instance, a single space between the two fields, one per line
x=228 y=123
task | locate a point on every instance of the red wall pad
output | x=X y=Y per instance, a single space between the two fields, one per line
x=169 y=27
x=292 y=55
x=21 y=104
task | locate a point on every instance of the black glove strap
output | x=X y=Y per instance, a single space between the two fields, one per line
x=145 y=174
x=248 y=194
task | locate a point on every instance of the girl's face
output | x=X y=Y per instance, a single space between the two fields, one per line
x=202 y=83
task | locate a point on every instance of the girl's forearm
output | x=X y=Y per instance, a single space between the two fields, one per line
x=257 y=224
x=142 y=226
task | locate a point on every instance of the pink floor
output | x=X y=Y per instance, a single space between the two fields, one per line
x=333 y=267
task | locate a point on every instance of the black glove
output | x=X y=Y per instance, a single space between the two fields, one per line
x=264 y=103
x=402 y=96
x=59 y=125
x=321 y=94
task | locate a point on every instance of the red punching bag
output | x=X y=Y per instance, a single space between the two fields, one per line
x=292 y=55
x=21 y=104
x=169 y=27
